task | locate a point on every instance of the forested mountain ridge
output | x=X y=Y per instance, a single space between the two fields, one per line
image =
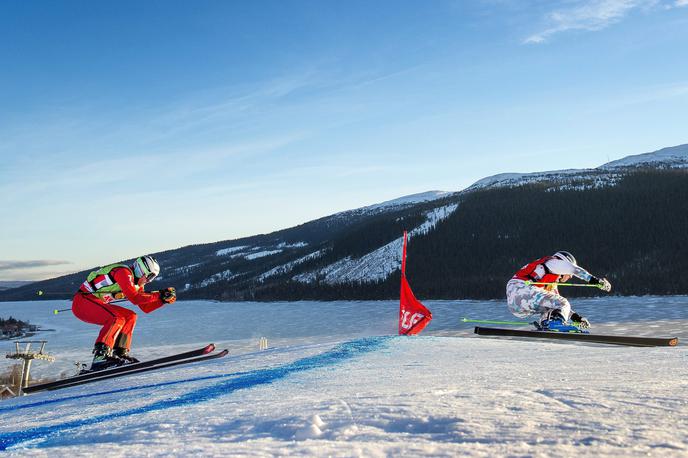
x=625 y=220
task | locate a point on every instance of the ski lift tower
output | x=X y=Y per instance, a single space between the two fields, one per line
x=27 y=355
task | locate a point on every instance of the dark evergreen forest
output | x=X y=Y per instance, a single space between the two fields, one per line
x=633 y=234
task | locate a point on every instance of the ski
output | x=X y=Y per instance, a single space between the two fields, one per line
x=122 y=369
x=581 y=337
x=70 y=383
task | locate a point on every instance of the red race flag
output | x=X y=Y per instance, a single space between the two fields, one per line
x=413 y=316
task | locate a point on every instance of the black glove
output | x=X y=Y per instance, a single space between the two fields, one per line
x=583 y=322
x=168 y=295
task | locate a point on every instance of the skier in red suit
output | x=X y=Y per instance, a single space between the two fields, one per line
x=91 y=304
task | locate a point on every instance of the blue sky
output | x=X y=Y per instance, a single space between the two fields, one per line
x=128 y=128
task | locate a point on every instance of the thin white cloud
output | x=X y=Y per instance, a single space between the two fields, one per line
x=591 y=15
x=646 y=94
x=35 y=274
x=172 y=165
x=16 y=265
x=680 y=3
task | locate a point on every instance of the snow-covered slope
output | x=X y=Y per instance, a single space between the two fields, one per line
x=674 y=157
x=394 y=204
x=262 y=264
x=605 y=175
x=378 y=264
x=288 y=267
x=410 y=200
x=518 y=179
x=337 y=382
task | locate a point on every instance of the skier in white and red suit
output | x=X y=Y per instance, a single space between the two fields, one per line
x=524 y=300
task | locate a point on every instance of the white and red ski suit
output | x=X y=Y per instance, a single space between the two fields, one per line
x=524 y=300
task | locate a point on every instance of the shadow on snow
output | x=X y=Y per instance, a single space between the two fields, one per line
x=239 y=381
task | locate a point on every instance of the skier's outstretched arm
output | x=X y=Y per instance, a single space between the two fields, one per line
x=561 y=267
x=135 y=294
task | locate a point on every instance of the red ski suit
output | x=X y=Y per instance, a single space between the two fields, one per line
x=117 y=322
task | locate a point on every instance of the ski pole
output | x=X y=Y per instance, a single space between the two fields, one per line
x=511 y=323
x=56 y=311
x=43 y=293
x=118 y=296
x=539 y=283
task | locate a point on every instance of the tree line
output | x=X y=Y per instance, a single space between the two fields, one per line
x=632 y=233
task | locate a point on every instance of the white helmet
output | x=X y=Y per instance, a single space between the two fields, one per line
x=565 y=256
x=146 y=266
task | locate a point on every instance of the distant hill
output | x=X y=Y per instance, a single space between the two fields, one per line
x=625 y=220
x=4 y=285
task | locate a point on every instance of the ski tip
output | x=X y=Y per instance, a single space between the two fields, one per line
x=209 y=348
x=673 y=342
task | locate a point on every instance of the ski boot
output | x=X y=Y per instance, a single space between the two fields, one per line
x=103 y=358
x=123 y=354
x=553 y=321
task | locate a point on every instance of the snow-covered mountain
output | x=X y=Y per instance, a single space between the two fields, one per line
x=358 y=245
x=605 y=175
x=409 y=200
x=671 y=157
x=378 y=264
x=362 y=246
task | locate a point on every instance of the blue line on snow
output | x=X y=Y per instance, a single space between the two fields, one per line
x=339 y=354
x=75 y=397
x=119 y=390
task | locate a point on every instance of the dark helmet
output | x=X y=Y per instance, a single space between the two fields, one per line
x=565 y=256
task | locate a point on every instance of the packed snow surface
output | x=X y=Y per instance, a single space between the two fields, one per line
x=336 y=381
